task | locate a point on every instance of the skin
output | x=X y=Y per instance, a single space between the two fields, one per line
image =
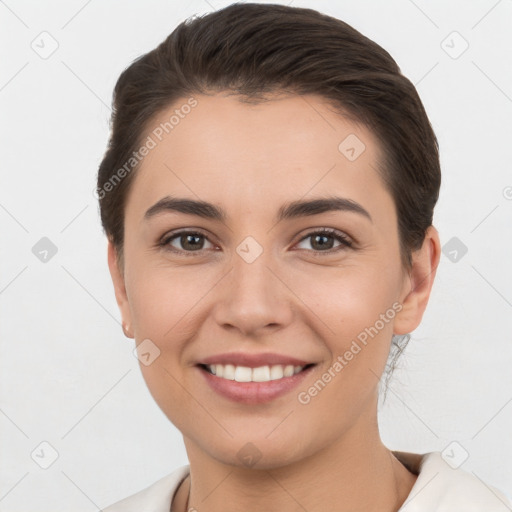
x=251 y=159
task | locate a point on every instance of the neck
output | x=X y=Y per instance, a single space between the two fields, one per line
x=354 y=474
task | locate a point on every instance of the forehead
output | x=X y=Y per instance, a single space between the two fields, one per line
x=249 y=155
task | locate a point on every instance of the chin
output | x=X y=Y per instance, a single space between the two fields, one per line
x=259 y=454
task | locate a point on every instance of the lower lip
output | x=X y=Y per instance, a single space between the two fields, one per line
x=254 y=392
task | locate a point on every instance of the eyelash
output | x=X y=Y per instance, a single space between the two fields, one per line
x=346 y=243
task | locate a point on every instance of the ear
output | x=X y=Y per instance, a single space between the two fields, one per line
x=417 y=287
x=116 y=273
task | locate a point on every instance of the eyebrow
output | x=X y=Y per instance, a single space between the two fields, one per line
x=293 y=209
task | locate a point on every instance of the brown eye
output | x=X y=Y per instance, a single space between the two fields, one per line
x=187 y=242
x=323 y=240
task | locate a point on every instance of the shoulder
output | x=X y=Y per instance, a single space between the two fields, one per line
x=442 y=488
x=439 y=487
x=155 y=498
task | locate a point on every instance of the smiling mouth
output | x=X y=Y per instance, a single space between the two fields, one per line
x=259 y=374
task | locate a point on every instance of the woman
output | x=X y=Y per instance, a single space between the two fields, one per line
x=268 y=195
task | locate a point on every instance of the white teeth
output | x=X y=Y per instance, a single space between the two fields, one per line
x=243 y=374
x=260 y=374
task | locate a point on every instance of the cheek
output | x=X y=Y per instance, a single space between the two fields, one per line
x=367 y=299
x=357 y=312
x=349 y=299
x=164 y=300
x=162 y=303
x=355 y=309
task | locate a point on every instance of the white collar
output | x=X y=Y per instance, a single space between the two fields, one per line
x=438 y=487
x=442 y=488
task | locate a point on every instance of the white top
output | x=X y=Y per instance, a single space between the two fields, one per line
x=438 y=488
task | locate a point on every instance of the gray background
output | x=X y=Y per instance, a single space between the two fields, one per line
x=69 y=378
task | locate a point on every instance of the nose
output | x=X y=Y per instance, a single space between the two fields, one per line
x=253 y=297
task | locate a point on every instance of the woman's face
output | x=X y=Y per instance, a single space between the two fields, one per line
x=257 y=283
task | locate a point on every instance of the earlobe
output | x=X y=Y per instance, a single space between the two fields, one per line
x=417 y=289
x=119 y=289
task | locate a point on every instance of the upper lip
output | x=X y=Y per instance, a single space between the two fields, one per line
x=253 y=360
